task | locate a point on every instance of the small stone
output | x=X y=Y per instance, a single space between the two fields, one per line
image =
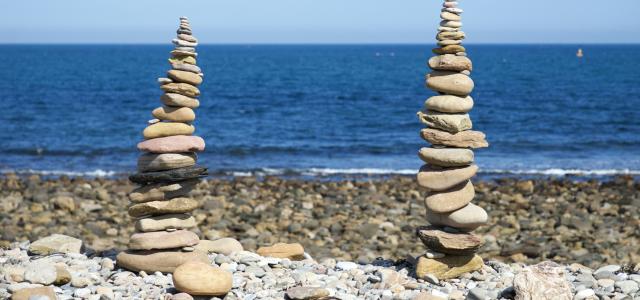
x=164 y=129
x=187 y=37
x=608 y=268
x=181 y=296
x=450 y=83
x=450 y=62
x=306 y=293
x=173 y=206
x=444 y=43
x=162 y=191
x=183 y=43
x=163 y=80
x=40 y=273
x=450 y=4
x=467 y=218
x=188 y=249
x=56 y=243
x=453 y=10
x=173 y=99
x=446 y=157
x=293 y=251
x=224 y=246
x=445 y=15
x=433 y=254
x=434 y=295
x=545 y=280
x=184 y=89
x=162 y=240
x=150 y=162
x=584 y=294
x=452 y=35
x=187 y=58
x=464 y=139
x=173 y=144
x=64 y=202
x=439 y=179
x=153 y=121
x=174 y=114
x=449 y=243
x=169 y=176
x=198 y=278
x=158 y=260
x=165 y=222
x=450 y=200
x=451 y=49
x=34 y=293
x=82 y=293
x=478 y=294
x=448 y=267
x=62 y=276
x=627 y=287
x=187 y=67
x=105 y=292
x=453 y=123
x=451 y=23
x=185 y=77
x=447 y=29
x=346 y=265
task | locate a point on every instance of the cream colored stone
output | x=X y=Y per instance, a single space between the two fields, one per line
x=150 y=162
x=467 y=218
x=445 y=15
x=158 y=260
x=162 y=240
x=293 y=251
x=446 y=157
x=450 y=83
x=185 y=77
x=450 y=200
x=453 y=123
x=181 y=88
x=165 y=222
x=464 y=139
x=448 y=267
x=173 y=206
x=440 y=179
x=163 y=129
x=450 y=62
x=224 y=246
x=176 y=114
x=202 y=279
x=177 y=100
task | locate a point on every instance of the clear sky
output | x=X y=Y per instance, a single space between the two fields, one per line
x=317 y=21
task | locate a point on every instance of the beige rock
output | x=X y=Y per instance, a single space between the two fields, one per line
x=64 y=202
x=183 y=59
x=446 y=157
x=158 y=260
x=32 y=293
x=445 y=15
x=467 y=218
x=451 y=49
x=452 y=199
x=173 y=206
x=162 y=191
x=450 y=62
x=181 y=88
x=449 y=104
x=306 y=293
x=440 y=179
x=544 y=281
x=163 y=129
x=450 y=83
x=459 y=243
x=448 y=267
x=464 y=139
x=149 y=162
x=444 y=43
x=202 y=279
x=180 y=53
x=62 y=275
x=188 y=38
x=453 y=123
x=452 y=24
x=224 y=246
x=56 y=243
x=172 y=99
x=164 y=222
x=162 y=240
x=176 y=114
x=428 y=296
x=293 y=251
x=184 y=76
x=450 y=35
x=180 y=296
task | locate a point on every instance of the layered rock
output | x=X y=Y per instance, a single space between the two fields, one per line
x=167 y=170
x=449 y=162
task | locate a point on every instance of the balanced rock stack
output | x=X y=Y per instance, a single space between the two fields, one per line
x=450 y=160
x=167 y=171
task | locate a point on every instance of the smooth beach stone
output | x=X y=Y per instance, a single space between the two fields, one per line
x=180 y=53
x=458 y=243
x=184 y=31
x=440 y=179
x=187 y=67
x=185 y=49
x=450 y=83
x=173 y=144
x=185 y=77
x=445 y=15
x=450 y=200
x=162 y=81
x=293 y=251
x=446 y=157
x=176 y=114
x=449 y=23
x=467 y=218
x=162 y=191
x=183 y=43
x=450 y=62
x=173 y=206
x=164 y=222
x=162 y=240
x=448 y=29
x=169 y=176
x=448 y=267
x=445 y=43
x=464 y=139
x=182 y=59
x=449 y=35
x=38 y=293
x=157 y=260
x=451 y=49
x=454 y=10
x=150 y=162
x=224 y=246
x=449 y=104
x=181 y=88
x=307 y=293
x=177 y=100
x=450 y=4
x=448 y=122
x=55 y=243
x=163 y=129
x=202 y=279
x=188 y=38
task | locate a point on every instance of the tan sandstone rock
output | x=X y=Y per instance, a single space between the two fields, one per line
x=453 y=123
x=32 y=293
x=452 y=199
x=450 y=266
x=173 y=206
x=458 y=243
x=184 y=89
x=202 y=279
x=162 y=240
x=467 y=218
x=164 y=222
x=450 y=83
x=446 y=157
x=150 y=162
x=440 y=179
x=450 y=62
x=293 y=251
x=163 y=129
x=224 y=246
x=172 y=99
x=464 y=139
x=184 y=76
x=175 y=114
x=158 y=260
x=544 y=281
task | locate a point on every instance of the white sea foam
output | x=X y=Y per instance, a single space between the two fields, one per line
x=93 y=173
x=564 y=172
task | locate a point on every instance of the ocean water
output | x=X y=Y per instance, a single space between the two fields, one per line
x=80 y=109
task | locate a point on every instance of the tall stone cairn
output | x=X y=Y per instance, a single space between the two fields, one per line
x=167 y=170
x=449 y=162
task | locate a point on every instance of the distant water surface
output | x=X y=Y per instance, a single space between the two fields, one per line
x=321 y=109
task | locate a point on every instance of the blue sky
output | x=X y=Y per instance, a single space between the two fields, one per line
x=317 y=21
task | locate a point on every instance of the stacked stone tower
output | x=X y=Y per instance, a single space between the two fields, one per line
x=167 y=170
x=449 y=162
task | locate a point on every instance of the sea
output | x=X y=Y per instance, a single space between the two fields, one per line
x=320 y=110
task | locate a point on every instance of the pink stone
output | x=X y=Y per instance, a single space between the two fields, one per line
x=173 y=144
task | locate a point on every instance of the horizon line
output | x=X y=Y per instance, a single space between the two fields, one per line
x=311 y=43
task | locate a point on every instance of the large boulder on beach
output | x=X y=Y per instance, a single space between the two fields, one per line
x=56 y=243
x=202 y=279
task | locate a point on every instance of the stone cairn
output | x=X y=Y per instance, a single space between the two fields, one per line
x=450 y=160
x=167 y=170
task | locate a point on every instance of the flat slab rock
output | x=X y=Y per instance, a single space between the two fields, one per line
x=436 y=239
x=169 y=176
x=173 y=206
x=56 y=243
x=463 y=139
x=306 y=293
x=448 y=267
x=162 y=240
